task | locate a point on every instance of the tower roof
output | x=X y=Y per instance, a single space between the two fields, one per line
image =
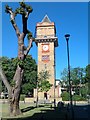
x=46 y=19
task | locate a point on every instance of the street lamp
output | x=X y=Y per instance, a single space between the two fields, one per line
x=54 y=86
x=67 y=39
x=70 y=87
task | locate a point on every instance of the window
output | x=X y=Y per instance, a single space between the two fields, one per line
x=45 y=58
x=45 y=36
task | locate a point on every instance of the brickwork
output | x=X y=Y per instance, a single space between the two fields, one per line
x=46 y=58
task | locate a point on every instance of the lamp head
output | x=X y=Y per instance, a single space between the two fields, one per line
x=67 y=36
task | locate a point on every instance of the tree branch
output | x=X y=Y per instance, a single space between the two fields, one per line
x=16 y=29
x=12 y=18
x=4 y=79
x=27 y=9
x=24 y=10
x=29 y=47
x=24 y=22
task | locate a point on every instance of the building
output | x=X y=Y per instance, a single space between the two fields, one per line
x=46 y=42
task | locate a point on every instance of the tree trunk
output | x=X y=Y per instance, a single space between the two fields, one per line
x=14 y=91
x=14 y=108
x=14 y=94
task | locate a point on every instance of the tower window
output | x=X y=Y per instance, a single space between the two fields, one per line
x=45 y=58
x=45 y=36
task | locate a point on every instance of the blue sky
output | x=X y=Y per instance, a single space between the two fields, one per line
x=69 y=17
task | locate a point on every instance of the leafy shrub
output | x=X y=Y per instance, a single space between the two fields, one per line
x=22 y=97
x=65 y=96
x=78 y=98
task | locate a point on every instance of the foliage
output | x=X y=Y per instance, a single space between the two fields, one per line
x=88 y=72
x=84 y=91
x=29 y=35
x=64 y=75
x=77 y=75
x=65 y=96
x=79 y=78
x=30 y=74
x=77 y=90
x=88 y=77
x=7 y=68
x=23 y=8
x=43 y=83
x=0 y=86
x=22 y=97
x=44 y=86
x=78 y=98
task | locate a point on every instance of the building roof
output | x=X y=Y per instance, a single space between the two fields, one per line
x=46 y=19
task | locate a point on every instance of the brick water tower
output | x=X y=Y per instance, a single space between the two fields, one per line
x=46 y=42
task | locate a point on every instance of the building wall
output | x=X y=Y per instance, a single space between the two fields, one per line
x=46 y=65
x=46 y=30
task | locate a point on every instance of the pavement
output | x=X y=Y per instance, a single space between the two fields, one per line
x=80 y=112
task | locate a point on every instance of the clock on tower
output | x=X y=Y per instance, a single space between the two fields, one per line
x=45 y=47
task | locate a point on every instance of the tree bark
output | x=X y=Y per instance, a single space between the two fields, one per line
x=14 y=95
x=14 y=91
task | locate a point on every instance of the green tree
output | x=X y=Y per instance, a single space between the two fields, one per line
x=88 y=77
x=30 y=75
x=64 y=77
x=77 y=76
x=7 y=68
x=64 y=74
x=43 y=83
x=84 y=91
x=78 y=98
x=65 y=96
x=14 y=90
x=30 y=72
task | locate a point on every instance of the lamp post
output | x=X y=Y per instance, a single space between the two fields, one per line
x=54 y=86
x=70 y=86
x=67 y=39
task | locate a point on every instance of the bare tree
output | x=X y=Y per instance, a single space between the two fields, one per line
x=14 y=91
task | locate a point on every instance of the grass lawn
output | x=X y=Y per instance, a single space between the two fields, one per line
x=30 y=112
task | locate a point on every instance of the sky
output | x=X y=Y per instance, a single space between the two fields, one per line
x=69 y=17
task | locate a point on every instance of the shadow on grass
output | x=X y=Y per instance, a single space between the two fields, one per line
x=80 y=112
x=50 y=114
x=29 y=108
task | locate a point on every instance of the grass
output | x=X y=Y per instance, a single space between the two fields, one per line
x=26 y=108
x=30 y=112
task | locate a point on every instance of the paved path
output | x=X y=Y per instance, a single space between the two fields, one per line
x=81 y=112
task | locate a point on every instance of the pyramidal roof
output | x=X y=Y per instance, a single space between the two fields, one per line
x=46 y=19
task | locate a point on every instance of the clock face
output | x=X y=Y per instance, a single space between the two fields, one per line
x=45 y=47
